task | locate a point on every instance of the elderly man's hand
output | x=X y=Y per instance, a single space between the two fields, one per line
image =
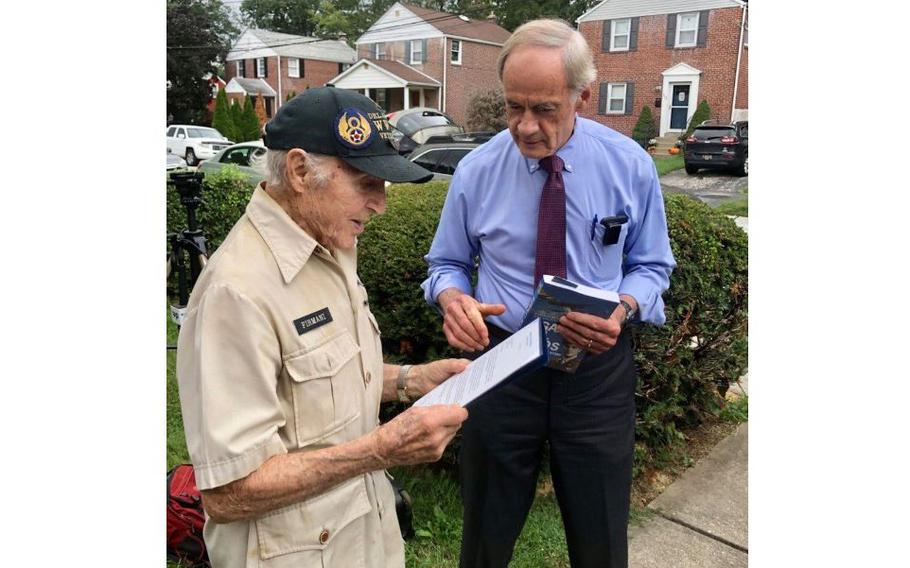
x=419 y=434
x=424 y=378
x=592 y=333
x=463 y=322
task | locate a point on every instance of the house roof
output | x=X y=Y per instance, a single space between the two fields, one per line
x=249 y=86
x=609 y=9
x=363 y=75
x=262 y=43
x=454 y=25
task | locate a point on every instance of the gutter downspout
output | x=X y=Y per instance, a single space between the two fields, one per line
x=445 y=67
x=739 y=56
x=280 y=97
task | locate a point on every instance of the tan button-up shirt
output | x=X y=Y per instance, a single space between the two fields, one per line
x=279 y=353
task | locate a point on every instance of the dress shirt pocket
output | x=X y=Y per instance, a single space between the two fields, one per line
x=608 y=259
x=312 y=533
x=323 y=379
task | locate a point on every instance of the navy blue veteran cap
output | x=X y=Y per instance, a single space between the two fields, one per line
x=339 y=122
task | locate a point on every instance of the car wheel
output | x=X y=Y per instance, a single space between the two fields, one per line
x=691 y=169
x=191 y=157
x=743 y=169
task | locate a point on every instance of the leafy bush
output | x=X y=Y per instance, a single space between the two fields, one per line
x=221 y=119
x=645 y=129
x=701 y=114
x=487 y=111
x=224 y=198
x=684 y=366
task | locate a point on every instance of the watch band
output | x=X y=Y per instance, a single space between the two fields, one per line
x=630 y=312
x=402 y=385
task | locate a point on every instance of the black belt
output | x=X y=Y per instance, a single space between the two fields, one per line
x=497 y=332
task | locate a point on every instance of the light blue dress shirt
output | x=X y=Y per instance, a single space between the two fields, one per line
x=490 y=213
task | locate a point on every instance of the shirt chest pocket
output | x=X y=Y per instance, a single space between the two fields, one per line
x=324 y=388
x=608 y=259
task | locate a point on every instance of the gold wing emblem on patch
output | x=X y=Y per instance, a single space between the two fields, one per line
x=354 y=129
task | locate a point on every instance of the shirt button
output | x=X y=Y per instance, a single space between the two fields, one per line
x=369 y=377
x=323 y=536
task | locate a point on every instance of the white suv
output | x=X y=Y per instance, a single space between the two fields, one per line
x=195 y=143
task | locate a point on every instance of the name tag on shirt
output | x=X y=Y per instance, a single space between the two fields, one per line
x=311 y=321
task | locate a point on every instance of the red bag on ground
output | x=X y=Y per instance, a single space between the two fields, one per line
x=185 y=518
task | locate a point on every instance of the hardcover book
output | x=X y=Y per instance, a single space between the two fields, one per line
x=557 y=296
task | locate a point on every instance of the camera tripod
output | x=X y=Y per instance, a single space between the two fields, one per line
x=187 y=252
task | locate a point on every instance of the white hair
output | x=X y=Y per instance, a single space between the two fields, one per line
x=275 y=165
x=556 y=34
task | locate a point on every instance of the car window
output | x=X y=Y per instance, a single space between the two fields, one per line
x=744 y=130
x=449 y=161
x=203 y=133
x=712 y=133
x=172 y=131
x=180 y=131
x=429 y=159
x=239 y=156
x=413 y=122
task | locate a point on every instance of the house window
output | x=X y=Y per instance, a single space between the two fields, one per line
x=686 y=29
x=379 y=51
x=381 y=97
x=456 y=52
x=619 y=34
x=241 y=68
x=616 y=98
x=342 y=67
x=260 y=67
x=293 y=67
x=416 y=51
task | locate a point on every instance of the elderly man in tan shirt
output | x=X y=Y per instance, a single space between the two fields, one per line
x=280 y=364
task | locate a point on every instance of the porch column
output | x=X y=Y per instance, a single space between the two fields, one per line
x=407 y=97
x=423 y=101
x=366 y=93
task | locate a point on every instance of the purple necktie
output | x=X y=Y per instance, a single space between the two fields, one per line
x=551 y=222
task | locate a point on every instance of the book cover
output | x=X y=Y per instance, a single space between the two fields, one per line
x=557 y=296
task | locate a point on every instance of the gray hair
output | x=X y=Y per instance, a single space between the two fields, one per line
x=275 y=165
x=557 y=34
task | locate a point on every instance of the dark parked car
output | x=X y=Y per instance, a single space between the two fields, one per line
x=718 y=145
x=413 y=126
x=441 y=158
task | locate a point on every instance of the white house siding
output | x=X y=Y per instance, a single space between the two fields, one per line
x=368 y=77
x=612 y=9
x=398 y=24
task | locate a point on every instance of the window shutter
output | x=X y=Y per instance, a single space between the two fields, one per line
x=407 y=52
x=702 y=28
x=423 y=54
x=265 y=66
x=630 y=97
x=671 y=30
x=633 y=35
x=605 y=42
x=301 y=68
x=602 y=100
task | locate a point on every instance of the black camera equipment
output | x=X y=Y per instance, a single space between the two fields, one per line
x=187 y=248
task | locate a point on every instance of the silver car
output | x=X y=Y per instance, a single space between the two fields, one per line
x=245 y=156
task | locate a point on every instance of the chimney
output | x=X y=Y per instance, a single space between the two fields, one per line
x=492 y=18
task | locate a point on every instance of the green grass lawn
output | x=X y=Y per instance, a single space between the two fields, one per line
x=738 y=208
x=668 y=163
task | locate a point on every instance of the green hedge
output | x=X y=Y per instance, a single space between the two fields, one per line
x=685 y=366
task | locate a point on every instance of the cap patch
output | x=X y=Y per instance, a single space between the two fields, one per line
x=353 y=128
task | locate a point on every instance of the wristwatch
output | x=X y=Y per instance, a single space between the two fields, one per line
x=402 y=385
x=630 y=311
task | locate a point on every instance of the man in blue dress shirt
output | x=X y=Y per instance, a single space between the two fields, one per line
x=491 y=212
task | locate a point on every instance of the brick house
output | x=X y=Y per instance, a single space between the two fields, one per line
x=668 y=54
x=272 y=64
x=413 y=56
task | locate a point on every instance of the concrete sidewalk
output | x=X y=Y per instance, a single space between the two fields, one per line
x=701 y=520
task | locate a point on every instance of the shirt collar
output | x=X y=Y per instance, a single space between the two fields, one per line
x=290 y=245
x=566 y=152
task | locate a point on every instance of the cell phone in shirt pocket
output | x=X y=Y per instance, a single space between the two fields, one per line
x=608 y=238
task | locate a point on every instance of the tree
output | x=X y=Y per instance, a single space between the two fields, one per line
x=261 y=117
x=221 y=119
x=645 y=128
x=199 y=34
x=702 y=113
x=237 y=119
x=296 y=17
x=290 y=95
x=512 y=13
x=486 y=111
x=251 y=126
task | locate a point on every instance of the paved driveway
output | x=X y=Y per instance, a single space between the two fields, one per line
x=712 y=187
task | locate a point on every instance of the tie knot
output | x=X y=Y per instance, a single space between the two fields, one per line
x=552 y=163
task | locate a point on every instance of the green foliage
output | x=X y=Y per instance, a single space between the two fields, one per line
x=224 y=198
x=286 y=16
x=667 y=164
x=236 y=112
x=290 y=95
x=487 y=111
x=684 y=366
x=249 y=128
x=199 y=34
x=222 y=121
x=645 y=128
x=702 y=113
x=736 y=410
x=737 y=208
